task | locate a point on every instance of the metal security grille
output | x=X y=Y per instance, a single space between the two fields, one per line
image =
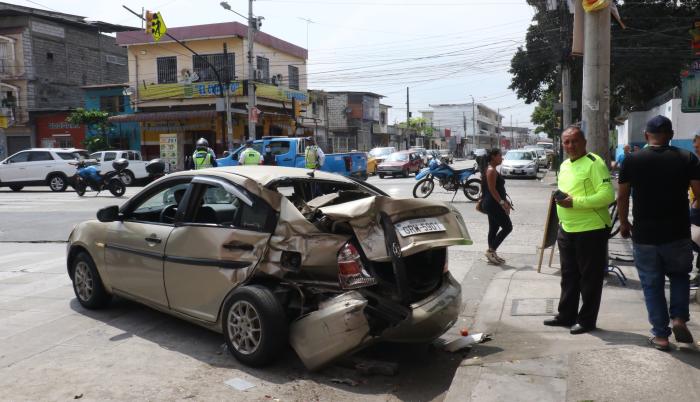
x=167 y=70
x=204 y=70
x=264 y=68
x=293 y=73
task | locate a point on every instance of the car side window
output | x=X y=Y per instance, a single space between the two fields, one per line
x=68 y=156
x=36 y=156
x=109 y=156
x=215 y=205
x=96 y=155
x=279 y=147
x=20 y=157
x=152 y=207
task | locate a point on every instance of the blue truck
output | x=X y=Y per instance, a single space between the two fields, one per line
x=289 y=152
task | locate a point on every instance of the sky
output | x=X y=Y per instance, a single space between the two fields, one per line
x=445 y=51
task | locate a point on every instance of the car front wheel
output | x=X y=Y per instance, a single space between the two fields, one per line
x=87 y=283
x=255 y=326
x=57 y=182
x=16 y=188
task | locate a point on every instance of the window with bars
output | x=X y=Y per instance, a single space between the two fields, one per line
x=112 y=104
x=7 y=56
x=264 y=68
x=167 y=69
x=204 y=70
x=293 y=73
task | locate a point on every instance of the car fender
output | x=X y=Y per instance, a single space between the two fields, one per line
x=90 y=236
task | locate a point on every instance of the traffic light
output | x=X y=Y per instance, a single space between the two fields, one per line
x=149 y=21
x=155 y=26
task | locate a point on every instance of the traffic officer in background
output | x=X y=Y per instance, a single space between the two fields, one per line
x=203 y=156
x=585 y=191
x=313 y=155
x=249 y=156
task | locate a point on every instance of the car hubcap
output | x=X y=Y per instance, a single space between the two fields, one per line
x=56 y=183
x=244 y=327
x=83 y=281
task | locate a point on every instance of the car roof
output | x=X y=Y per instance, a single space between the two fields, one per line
x=54 y=149
x=263 y=175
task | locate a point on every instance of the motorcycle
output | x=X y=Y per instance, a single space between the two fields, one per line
x=449 y=179
x=88 y=175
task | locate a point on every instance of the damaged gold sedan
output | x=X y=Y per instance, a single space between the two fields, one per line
x=272 y=256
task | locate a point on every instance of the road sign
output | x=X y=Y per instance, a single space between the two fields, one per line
x=158 y=28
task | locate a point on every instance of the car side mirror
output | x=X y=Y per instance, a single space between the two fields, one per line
x=109 y=214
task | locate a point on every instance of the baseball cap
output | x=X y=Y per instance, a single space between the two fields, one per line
x=659 y=125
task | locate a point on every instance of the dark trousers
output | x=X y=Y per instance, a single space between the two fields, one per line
x=500 y=225
x=584 y=261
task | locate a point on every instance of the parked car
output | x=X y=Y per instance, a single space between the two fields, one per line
x=542 y=159
x=447 y=156
x=40 y=167
x=376 y=156
x=400 y=163
x=519 y=163
x=289 y=151
x=423 y=154
x=270 y=256
x=135 y=171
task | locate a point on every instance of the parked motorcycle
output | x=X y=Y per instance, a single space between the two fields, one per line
x=449 y=179
x=88 y=175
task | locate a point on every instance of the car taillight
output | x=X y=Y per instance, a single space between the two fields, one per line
x=351 y=271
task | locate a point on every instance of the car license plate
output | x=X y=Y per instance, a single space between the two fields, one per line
x=419 y=226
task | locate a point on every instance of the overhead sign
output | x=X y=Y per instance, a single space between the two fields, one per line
x=155 y=25
x=205 y=89
x=690 y=89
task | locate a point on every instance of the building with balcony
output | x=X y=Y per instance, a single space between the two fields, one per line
x=351 y=120
x=45 y=57
x=178 y=95
x=473 y=125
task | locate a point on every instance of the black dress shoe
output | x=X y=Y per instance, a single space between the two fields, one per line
x=555 y=322
x=580 y=329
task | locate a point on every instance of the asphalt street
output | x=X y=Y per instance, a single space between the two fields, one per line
x=52 y=348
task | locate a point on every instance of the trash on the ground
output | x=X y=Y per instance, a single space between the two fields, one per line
x=78 y=396
x=374 y=367
x=346 y=381
x=466 y=341
x=239 y=384
x=464 y=332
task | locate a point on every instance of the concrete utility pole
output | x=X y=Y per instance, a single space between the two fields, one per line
x=473 y=122
x=596 y=82
x=252 y=26
x=227 y=99
x=408 y=117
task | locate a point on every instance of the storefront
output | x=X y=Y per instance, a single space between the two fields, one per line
x=53 y=131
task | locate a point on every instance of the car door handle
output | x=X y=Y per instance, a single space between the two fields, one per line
x=153 y=239
x=236 y=245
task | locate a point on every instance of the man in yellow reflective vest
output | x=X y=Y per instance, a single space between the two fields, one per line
x=203 y=156
x=585 y=191
x=313 y=155
x=249 y=156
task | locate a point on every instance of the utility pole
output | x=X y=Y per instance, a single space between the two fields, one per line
x=229 y=120
x=408 y=118
x=596 y=82
x=512 y=134
x=252 y=26
x=473 y=122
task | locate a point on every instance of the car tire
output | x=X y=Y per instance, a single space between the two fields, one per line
x=255 y=325
x=57 y=182
x=87 y=283
x=16 y=188
x=127 y=178
x=405 y=173
x=381 y=175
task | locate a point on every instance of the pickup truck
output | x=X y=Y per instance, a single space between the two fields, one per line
x=289 y=152
x=135 y=171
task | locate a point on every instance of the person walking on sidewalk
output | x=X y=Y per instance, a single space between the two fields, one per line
x=494 y=202
x=658 y=177
x=582 y=208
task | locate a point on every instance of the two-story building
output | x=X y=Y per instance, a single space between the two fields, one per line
x=473 y=124
x=45 y=58
x=115 y=100
x=351 y=120
x=177 y=95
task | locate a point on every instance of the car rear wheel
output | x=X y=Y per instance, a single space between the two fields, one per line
x=16 y=188
x=57 y=182
x=87 y=283
x=405 y=173
x=381 y=175
x=255 y=326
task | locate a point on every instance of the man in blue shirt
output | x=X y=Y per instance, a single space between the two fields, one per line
x=621 y=158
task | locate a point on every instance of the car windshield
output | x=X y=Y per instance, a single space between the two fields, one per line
x=546 y=146
x=518 y=156
x=380 y=152
x=397 y=157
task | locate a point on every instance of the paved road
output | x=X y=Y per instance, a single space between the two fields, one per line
x=51 y=348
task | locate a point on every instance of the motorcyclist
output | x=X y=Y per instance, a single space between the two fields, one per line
x=249 y=156
x=203 y=156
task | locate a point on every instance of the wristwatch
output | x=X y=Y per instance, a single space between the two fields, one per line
x=502 y=202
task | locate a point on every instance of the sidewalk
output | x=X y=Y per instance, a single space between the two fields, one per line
x=527 y=361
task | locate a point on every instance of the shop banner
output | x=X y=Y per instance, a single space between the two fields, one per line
x=187 y=91
x=281 y=94
x=168 y=149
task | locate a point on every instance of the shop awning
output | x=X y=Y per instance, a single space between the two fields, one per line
x=163 y=116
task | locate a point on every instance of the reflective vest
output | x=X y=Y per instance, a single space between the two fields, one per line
x=311 y=157
x=202 y=159
x=251 y=157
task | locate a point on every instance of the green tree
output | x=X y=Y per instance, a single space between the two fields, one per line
x=97 y=121
x=420 y=125
x=544 y=115
x=646 y=58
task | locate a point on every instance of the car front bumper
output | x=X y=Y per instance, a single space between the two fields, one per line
x=519 y=172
